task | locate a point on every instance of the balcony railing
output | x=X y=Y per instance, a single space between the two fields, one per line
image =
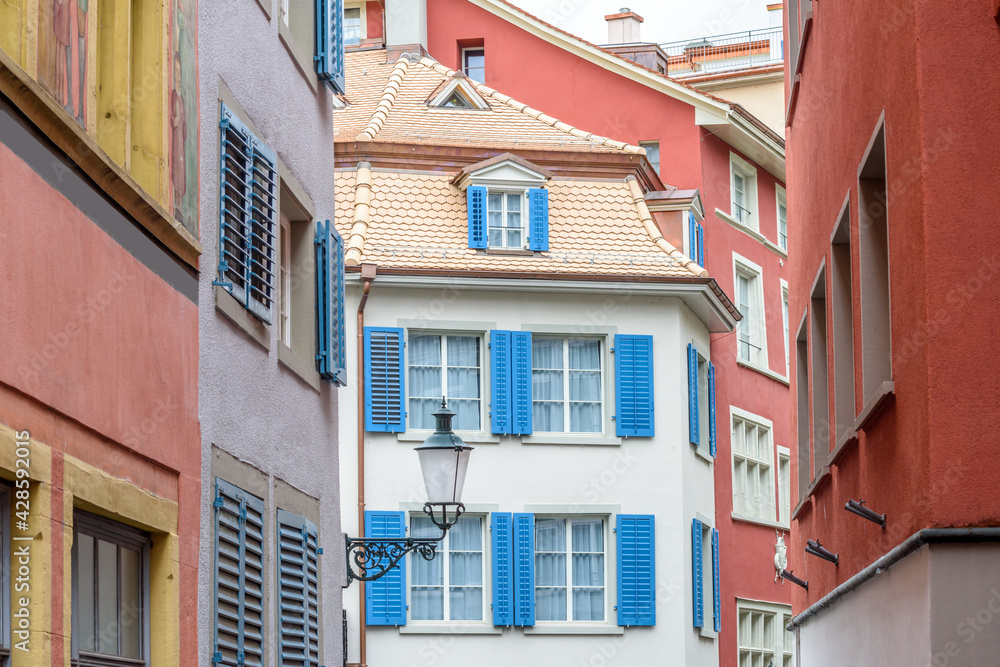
x=725 y=53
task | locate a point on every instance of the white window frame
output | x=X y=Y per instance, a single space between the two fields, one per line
x=363 y=6
x=484 y=361
x=781 y=202
x=652 y=144
x=784 y=485
x=780 y=646
x=474 y=48
x=525 y=226
x=608 y=590
x=284 y=279
x=444 y=551
x=748 y=218
x=744 y=504
x=757 y=326
x=602 y=355
x=784 y=322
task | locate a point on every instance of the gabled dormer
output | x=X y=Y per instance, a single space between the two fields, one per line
x=508 y=204
x=458 y=92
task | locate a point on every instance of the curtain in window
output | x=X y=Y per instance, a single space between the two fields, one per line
x=424 y=379
x=547 y=384
x=465 y=547
x=427 y=587
x=550 y=569
x=585 y=386
x=426 y=387
x=588 y=570
x=463 y=381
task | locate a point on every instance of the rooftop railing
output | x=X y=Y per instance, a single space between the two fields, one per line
x=725 y=53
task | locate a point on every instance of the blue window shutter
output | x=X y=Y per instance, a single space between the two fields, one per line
x=711 y=409
x=636 y=569
x=634 y=386
x=692 y=237
x=261 y=246
x=524 y=569
x=500 y=374
x=538 y=216
x=330 y=43
x=340 y=328
x=476 y=195
x=298 y=590
x=701 y=245
x=698 y=592
x=234 y=204
x=385 y=598
x=715 y=580
x=330 y=329
x=385 y=385
x=520 y=382
x=693 y=395
x=503 y=569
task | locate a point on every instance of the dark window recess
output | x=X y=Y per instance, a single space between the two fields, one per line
x=474 y=64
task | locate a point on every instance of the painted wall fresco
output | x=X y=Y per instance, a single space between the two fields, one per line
x=62 y=53
x=183 y=113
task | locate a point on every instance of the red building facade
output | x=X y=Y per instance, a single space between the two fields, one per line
x=893 y=323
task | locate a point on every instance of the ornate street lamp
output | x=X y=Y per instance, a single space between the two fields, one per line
x=444 y=458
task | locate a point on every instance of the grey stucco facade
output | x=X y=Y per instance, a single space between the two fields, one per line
x=268 y=423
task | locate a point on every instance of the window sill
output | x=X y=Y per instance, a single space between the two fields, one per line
x=570 y=439
x=574 y=630
x=297 y=365
x=478 y=437
x=509 y=251
x=763 y=371
x=241 y=317
x=760 y=522
x=875 y=404
x=449 y=629
x=703 y=455
x=708 y=634
x=752 y=233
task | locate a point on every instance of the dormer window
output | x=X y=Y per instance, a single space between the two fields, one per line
x=506 y=220
x=457 y=93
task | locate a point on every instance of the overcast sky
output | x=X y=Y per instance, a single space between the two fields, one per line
x=666 y=20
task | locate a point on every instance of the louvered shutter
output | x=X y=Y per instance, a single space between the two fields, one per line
x=501 y=369
x=715 y=580
x=234 y=205
x=712 y=441
x=385 y=386
x=634 y=386
x=239 y=577
x=476 y=202
x=693 y=415
x=636 y=569
x=520 y=381
x=298 y=591
x=503 y=569
x=697 y=589
x=692 y=237
x=330 y=326
x=263 y=222
x=538 y=217
x=701 y=245
x=385 y=598
x=330 y=43
x=524 y=569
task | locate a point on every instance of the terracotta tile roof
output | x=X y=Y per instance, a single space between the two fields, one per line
x=387 y=102
x=418 y=221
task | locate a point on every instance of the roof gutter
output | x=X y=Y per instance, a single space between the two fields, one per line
x=907 y=547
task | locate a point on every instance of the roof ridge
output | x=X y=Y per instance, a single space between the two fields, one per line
x=381 y=112
x=566 y=128
x=362 y=214
x=639 y=200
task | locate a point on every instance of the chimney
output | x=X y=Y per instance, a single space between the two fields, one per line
x=405 y=28
x=774 y=14
x=623 y=27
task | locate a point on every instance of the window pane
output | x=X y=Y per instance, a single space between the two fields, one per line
x=514 y=238
x=475 y=58
x=585 y=417
x=424 y=379
x=466 y=603
x=107 y=597
x=550 y=603
x=427 y=591
x=352 y=26
x=131 y=604
x=588 y=604
x=85 y=589
x=584 y=354
x=550 y=535
x=426 y=604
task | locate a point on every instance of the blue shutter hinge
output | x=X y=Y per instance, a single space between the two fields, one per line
x=224 y=124
x=612 y=350
x=217 y=657
x=223 y=283
x=319 y=550
x=240 y=658
x=217 y=502
x=243 y=513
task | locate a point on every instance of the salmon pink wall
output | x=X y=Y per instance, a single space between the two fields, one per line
x=374 y=13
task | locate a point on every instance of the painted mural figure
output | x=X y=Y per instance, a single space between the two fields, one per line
x=62 y=30
x=81 y=29
x=178 y=135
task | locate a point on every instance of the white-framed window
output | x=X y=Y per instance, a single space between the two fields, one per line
x=285 y=281
x=761 y=637
x=567 y=384
x=784 y=486
x=445 y=364
x=507 y=219
x=782 y=217
x=354 y=24
x=570 y=569
x=753 y=466
x=474 y=63
x=451 y=586
x=751 y=336
x=784 y=323
x=652 y=153
x=743 y=191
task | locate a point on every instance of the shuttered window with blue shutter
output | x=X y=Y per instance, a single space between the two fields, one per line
x=697 y=589
x=330 y=43
x=715 y=580
x=701 y=245
x=524 y=569
x=510 y=372
x=692 y=237
x=298 y=591
x=538 y=212
x=636 y=570
x=385 y=598
x=385 y=385
x=476 y=202
x=634 y=386
x=693 y=412
x=331 y=346
x=503 y=568
x=712 y=442
x=247 y=217
x=238 y=577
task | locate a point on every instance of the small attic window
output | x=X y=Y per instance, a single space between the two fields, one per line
x=458 y=92
x=457 y=101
